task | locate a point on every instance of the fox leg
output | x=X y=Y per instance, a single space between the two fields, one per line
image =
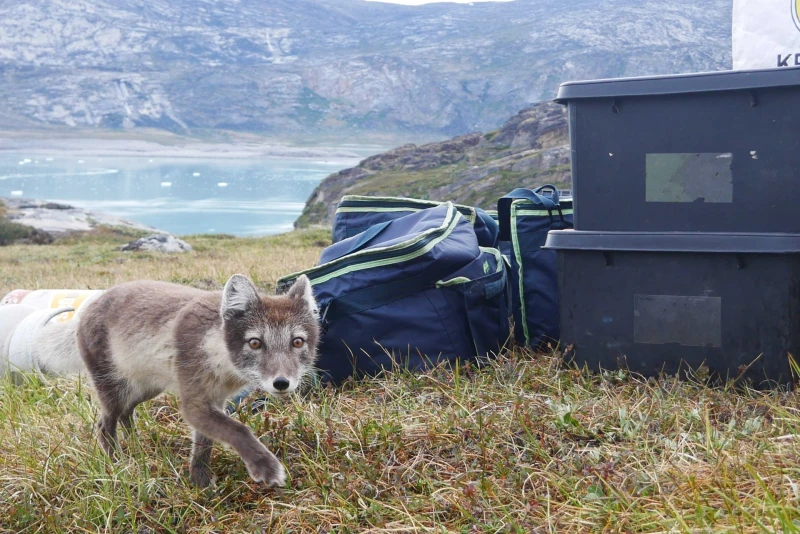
x=200 y=466
x=112 y=391
x=126 y=418
x=212 y=423
x=118 y=400
x=107 y=424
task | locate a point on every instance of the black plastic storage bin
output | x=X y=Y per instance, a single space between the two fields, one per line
x=711 y=152
x=670 y=302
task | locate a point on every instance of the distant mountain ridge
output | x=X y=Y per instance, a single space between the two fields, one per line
x=345 y=66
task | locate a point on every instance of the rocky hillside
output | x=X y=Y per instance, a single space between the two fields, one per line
x=344 y=67
x=529 y=150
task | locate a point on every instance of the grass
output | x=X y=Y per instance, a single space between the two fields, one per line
x=93 y=261
x=410 y=184
x=525 y=444
x=10 y=231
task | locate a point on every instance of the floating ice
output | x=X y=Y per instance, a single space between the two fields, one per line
x=80 y=161
x=222 y=184
x=166 y=184
x=17 y=193
x=49 y=159
x=195 y=174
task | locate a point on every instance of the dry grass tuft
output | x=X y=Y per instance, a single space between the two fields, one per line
x=93 y=262
x=523 y=445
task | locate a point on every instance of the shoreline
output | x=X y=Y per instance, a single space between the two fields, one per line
x=59 y=219
x=347 y=154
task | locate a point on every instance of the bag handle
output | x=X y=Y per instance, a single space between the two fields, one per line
x=489 y=224
x=504 y=206
x=365 y=237
x=548 y=187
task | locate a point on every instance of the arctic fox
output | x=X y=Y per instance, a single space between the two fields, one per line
x=142 y=338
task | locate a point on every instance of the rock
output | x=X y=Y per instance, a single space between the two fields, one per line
x=53 y=219
x=530 y=149
x=158 y=242
x=38 y=237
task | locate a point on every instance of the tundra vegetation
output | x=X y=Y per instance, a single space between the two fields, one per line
x=525 y=444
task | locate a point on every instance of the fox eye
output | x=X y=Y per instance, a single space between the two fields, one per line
x=298 y=342
x=254 y=343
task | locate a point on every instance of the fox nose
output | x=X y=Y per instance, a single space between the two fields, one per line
x=281 y=383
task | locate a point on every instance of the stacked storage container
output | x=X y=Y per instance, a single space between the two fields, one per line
x=686 y=247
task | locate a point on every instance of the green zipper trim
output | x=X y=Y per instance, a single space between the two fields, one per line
x=375 y=210
x=518 y=256
x=449 y=224
x=542 y=213
x=424 y=204
x=367 y=198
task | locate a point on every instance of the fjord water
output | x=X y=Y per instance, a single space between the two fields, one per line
x=182 y=196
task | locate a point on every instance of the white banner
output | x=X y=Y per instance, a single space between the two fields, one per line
x=766 y=34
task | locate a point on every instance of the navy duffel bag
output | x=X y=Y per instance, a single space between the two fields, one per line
x=408 y=293
x=355 y=214
x=525 y=217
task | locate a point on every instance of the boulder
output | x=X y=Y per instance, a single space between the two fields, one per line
x=158 y=242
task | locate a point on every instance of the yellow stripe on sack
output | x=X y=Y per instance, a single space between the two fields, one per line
x=67 y=300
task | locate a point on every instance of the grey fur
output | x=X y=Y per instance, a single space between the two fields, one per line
x=55 y=349
x=141 y=338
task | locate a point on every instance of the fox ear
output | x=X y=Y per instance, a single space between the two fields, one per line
x=237 y=296
x=301 y=289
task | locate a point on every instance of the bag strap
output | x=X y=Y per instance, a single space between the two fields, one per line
x=493 y=289
x=362 y=240
x=504 y=206
x=375 y=296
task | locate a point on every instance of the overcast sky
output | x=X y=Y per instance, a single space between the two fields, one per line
x=420 y=2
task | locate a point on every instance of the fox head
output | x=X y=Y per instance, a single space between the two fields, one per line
x=272 y=340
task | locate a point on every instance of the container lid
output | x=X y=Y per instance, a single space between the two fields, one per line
x=732 y=80
x=674 y=242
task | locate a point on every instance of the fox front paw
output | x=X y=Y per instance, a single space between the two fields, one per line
x=267 y=468
x=201 y=476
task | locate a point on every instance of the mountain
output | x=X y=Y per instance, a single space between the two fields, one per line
x=307 y=68
x=529 y=150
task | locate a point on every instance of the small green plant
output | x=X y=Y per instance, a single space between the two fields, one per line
x=11 y=232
